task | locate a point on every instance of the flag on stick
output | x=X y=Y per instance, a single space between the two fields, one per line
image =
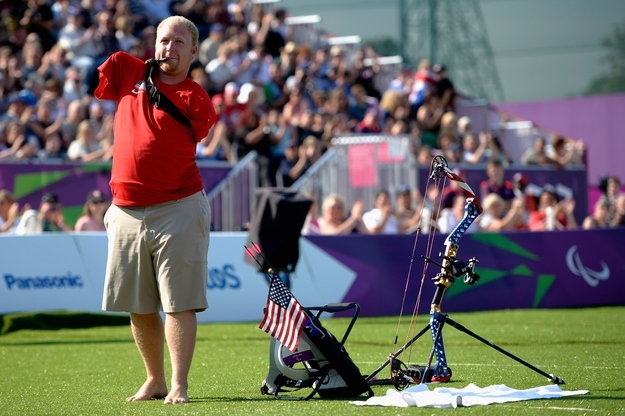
x=284 y=318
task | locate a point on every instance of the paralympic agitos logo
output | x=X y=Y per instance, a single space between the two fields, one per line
x=592 y=277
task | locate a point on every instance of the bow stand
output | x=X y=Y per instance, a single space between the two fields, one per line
x=451 y=268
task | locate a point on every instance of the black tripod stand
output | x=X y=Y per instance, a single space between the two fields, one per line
x=418 y=374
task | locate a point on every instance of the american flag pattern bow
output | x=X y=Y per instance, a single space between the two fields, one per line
x=284 y=318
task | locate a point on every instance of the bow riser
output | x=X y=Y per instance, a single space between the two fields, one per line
x=445 y=277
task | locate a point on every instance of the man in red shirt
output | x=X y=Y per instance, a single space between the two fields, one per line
x=159 y=221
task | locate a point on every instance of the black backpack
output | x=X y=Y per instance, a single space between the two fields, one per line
x=320 y=363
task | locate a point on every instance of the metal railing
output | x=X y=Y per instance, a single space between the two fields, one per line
x=232 y=200
x=390 y=68
x=358 y=166
x=305 y=30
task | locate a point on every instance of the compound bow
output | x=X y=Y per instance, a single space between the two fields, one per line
x=450 y=269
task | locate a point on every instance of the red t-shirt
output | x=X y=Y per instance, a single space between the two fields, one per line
x=153 y=155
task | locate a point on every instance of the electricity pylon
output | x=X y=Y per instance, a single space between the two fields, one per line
x=451 y=33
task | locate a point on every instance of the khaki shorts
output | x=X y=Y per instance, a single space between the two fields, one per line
x=158 y=256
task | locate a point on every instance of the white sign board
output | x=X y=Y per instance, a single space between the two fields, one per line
x=65 y=271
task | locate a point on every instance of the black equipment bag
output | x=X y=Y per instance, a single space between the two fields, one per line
x=325 y=365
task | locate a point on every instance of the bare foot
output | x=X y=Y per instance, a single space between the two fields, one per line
x=178 y=394
x=151 y=389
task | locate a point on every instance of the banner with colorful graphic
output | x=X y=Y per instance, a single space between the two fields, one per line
x=72 y=182
x=559 y=269
x=524 y=270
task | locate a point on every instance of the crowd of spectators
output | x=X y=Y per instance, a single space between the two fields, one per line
x=283 y=100
x=547 y=211
x=272 y=94
x=508 y=205
x=49 y=215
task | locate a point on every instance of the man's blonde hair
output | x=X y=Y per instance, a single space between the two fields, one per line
x=184 y=21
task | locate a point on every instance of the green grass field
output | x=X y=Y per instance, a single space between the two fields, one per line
x=91 y=371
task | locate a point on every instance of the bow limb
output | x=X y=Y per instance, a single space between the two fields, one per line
x=471 y=211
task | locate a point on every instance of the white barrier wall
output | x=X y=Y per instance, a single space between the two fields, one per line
x=66 y=272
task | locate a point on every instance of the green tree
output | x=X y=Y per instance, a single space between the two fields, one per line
x=385 y=46
x=614 y=81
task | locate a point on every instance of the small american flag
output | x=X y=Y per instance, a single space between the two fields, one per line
x=284 y=318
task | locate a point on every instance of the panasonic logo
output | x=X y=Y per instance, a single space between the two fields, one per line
x=44 y=282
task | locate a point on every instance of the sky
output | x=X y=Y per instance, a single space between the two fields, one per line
x=543 y=49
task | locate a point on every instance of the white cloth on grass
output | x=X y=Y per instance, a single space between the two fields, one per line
x=472 y=395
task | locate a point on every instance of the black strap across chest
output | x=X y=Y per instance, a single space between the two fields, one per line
x=159 y=99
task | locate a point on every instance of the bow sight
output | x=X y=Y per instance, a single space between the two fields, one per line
x=456 y=268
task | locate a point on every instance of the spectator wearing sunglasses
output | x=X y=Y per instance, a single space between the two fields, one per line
x=92 y=218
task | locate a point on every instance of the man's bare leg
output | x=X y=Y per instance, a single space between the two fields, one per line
x=148 y=332
x=181 y=332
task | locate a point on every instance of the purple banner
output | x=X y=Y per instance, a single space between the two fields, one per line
x=559 y=269
x=72 y=182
